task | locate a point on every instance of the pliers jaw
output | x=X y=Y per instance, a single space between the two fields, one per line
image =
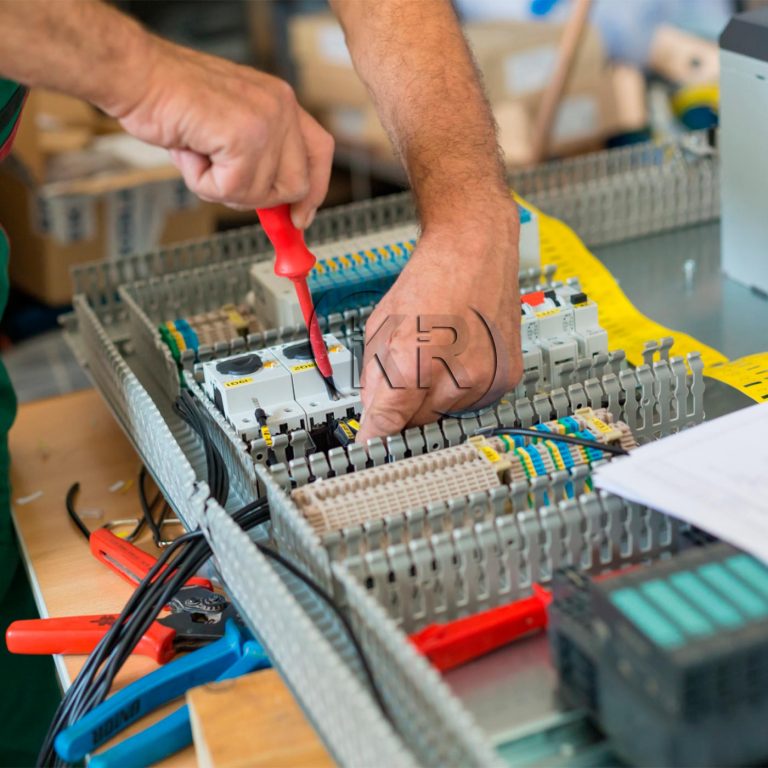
x=198 y=616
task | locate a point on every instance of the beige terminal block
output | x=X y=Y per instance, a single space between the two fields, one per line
x=252 y=722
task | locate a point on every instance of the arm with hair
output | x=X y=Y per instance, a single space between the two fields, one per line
x=416 y=64
x=237 y=135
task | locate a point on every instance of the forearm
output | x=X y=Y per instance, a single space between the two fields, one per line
x=80 y=47
x=414 y=60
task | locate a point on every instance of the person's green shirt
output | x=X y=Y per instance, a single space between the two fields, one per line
x=11 y=103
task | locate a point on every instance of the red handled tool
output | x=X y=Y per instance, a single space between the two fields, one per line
x=294 y=260
x=126 y=560
x=458 y=642
x=197 y=617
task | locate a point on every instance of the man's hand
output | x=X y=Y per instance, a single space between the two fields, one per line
x=457 y=299
x=238 y=136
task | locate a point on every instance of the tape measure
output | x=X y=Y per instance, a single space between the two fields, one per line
x=627 y=327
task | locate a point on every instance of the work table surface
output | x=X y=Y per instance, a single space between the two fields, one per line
x=55 y=443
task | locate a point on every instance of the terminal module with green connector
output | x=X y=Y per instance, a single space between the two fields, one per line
x=670 y=660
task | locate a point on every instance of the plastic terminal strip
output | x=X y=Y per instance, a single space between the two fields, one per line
x=339 y=502
x=355 y=272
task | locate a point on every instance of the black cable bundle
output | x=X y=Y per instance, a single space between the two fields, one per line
x=188 y=409
x=180 y=561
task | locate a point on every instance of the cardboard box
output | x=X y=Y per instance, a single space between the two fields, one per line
x=518 y=59
x=588 y=114
x=51 y=233
x=118 y=210
x=629 y=95
x=325 y=77
x=322 y=86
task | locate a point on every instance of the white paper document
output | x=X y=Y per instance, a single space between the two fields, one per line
x=714 y=475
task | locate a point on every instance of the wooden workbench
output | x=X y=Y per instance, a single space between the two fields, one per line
x=55 y=443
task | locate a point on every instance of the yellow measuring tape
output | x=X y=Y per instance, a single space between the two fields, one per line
x=627 y=327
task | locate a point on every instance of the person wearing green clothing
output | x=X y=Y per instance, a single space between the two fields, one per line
x=239 y=137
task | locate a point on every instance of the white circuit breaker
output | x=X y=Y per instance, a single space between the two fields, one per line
x=558 y=327
x=284 y=382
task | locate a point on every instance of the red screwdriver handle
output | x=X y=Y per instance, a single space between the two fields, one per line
x=292 y=257
x=294 y=260
x=128 y=561
x=81 y=634
x=457 y=642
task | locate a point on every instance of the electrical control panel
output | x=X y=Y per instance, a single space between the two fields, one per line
x=283 y=384
x=447 y=521
x=357 y=272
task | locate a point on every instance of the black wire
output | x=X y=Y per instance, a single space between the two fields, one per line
x=95 y=679
x=69 y=501
x=70 y=707
x=147 y=507
x=614 y=450
x=332 y=604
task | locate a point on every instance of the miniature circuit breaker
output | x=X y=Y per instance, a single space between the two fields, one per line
x=355 y=273
x=559 y=328
x=281 y=389
x=671 y=660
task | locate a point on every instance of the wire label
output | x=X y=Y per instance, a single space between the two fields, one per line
x=238 y=382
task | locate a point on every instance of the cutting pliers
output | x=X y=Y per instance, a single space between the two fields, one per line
x=235 y=653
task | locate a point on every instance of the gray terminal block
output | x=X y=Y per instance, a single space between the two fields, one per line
x=744 y=162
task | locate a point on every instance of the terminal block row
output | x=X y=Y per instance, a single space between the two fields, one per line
x=412 y=484
x=358 y=271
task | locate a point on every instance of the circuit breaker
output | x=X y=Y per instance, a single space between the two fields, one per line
x=283 y=383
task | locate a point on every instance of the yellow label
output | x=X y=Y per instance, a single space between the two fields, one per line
x=599 y=425
x=270 y=363
x=489 y=453
x=235 y=318
x=302 y=367
x=345 y=261
x=319 y=268
x=627 y=328
x=354 y=424
x=548 y=312
x=357 y=257
x=346 y=430
x=335 y=348
x=238 y=382
x=267 y=435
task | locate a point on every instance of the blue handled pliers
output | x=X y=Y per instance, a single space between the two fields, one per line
x=235 y=654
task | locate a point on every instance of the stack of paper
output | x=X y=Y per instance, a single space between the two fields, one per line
x=714 y=476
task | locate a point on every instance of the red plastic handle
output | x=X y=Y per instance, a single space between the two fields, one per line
x=128 y=561
x=457 y=642
x=294 y=260
x=81 y=634
x=292 y=257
